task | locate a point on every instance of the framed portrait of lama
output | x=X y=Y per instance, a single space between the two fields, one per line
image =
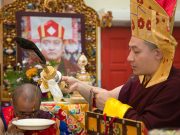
x=59 y=37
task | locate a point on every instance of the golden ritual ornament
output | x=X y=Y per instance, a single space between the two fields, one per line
x=50 y=78
x=83 y=75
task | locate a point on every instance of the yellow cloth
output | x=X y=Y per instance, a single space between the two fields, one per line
x=115 y=108
x=150 y=22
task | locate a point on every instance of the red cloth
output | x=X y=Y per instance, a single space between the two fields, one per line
x=168 y=5
x=49 y=131
x=8 y=113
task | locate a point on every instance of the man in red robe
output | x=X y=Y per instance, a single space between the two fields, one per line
x=152 y=94
x=26 y=104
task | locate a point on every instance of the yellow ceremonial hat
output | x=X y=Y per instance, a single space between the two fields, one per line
x=152 y=21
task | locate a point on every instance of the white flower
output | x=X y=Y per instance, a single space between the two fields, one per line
x=19 y=79
x=35 y=78
x=38 y=66
x=25 y=61
x=47 y=63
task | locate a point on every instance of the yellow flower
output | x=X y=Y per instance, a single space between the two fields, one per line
x=31 y=72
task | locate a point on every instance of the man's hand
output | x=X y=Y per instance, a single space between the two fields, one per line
x=1 y=127
x=101 y=96
x=68 y=84
x=12 y=129
x=74 y=84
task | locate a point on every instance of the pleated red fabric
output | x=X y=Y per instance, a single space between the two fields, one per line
x=168 y=5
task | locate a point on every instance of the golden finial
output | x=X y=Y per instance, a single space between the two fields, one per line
x=83 y=75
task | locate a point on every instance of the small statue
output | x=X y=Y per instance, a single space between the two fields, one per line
x=69 y=9
x=50 y=5
x=107 y=19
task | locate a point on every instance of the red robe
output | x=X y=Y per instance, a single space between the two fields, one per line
x=158 y=105
x=8 y=115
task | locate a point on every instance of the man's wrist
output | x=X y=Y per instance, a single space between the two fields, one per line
x=92 y=99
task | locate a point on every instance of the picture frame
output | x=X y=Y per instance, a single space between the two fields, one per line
x=70 y=27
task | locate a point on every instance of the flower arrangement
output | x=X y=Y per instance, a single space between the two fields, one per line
x=14 y=78
x=20 y=74
x=31 y=72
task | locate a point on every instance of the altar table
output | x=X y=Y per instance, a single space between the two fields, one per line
x=72 y=114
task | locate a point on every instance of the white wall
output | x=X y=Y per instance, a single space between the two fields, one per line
x=120 y=8
x=108 y=4
x=0 y=3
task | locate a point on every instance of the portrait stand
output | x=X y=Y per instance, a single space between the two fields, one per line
x=8 y=26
